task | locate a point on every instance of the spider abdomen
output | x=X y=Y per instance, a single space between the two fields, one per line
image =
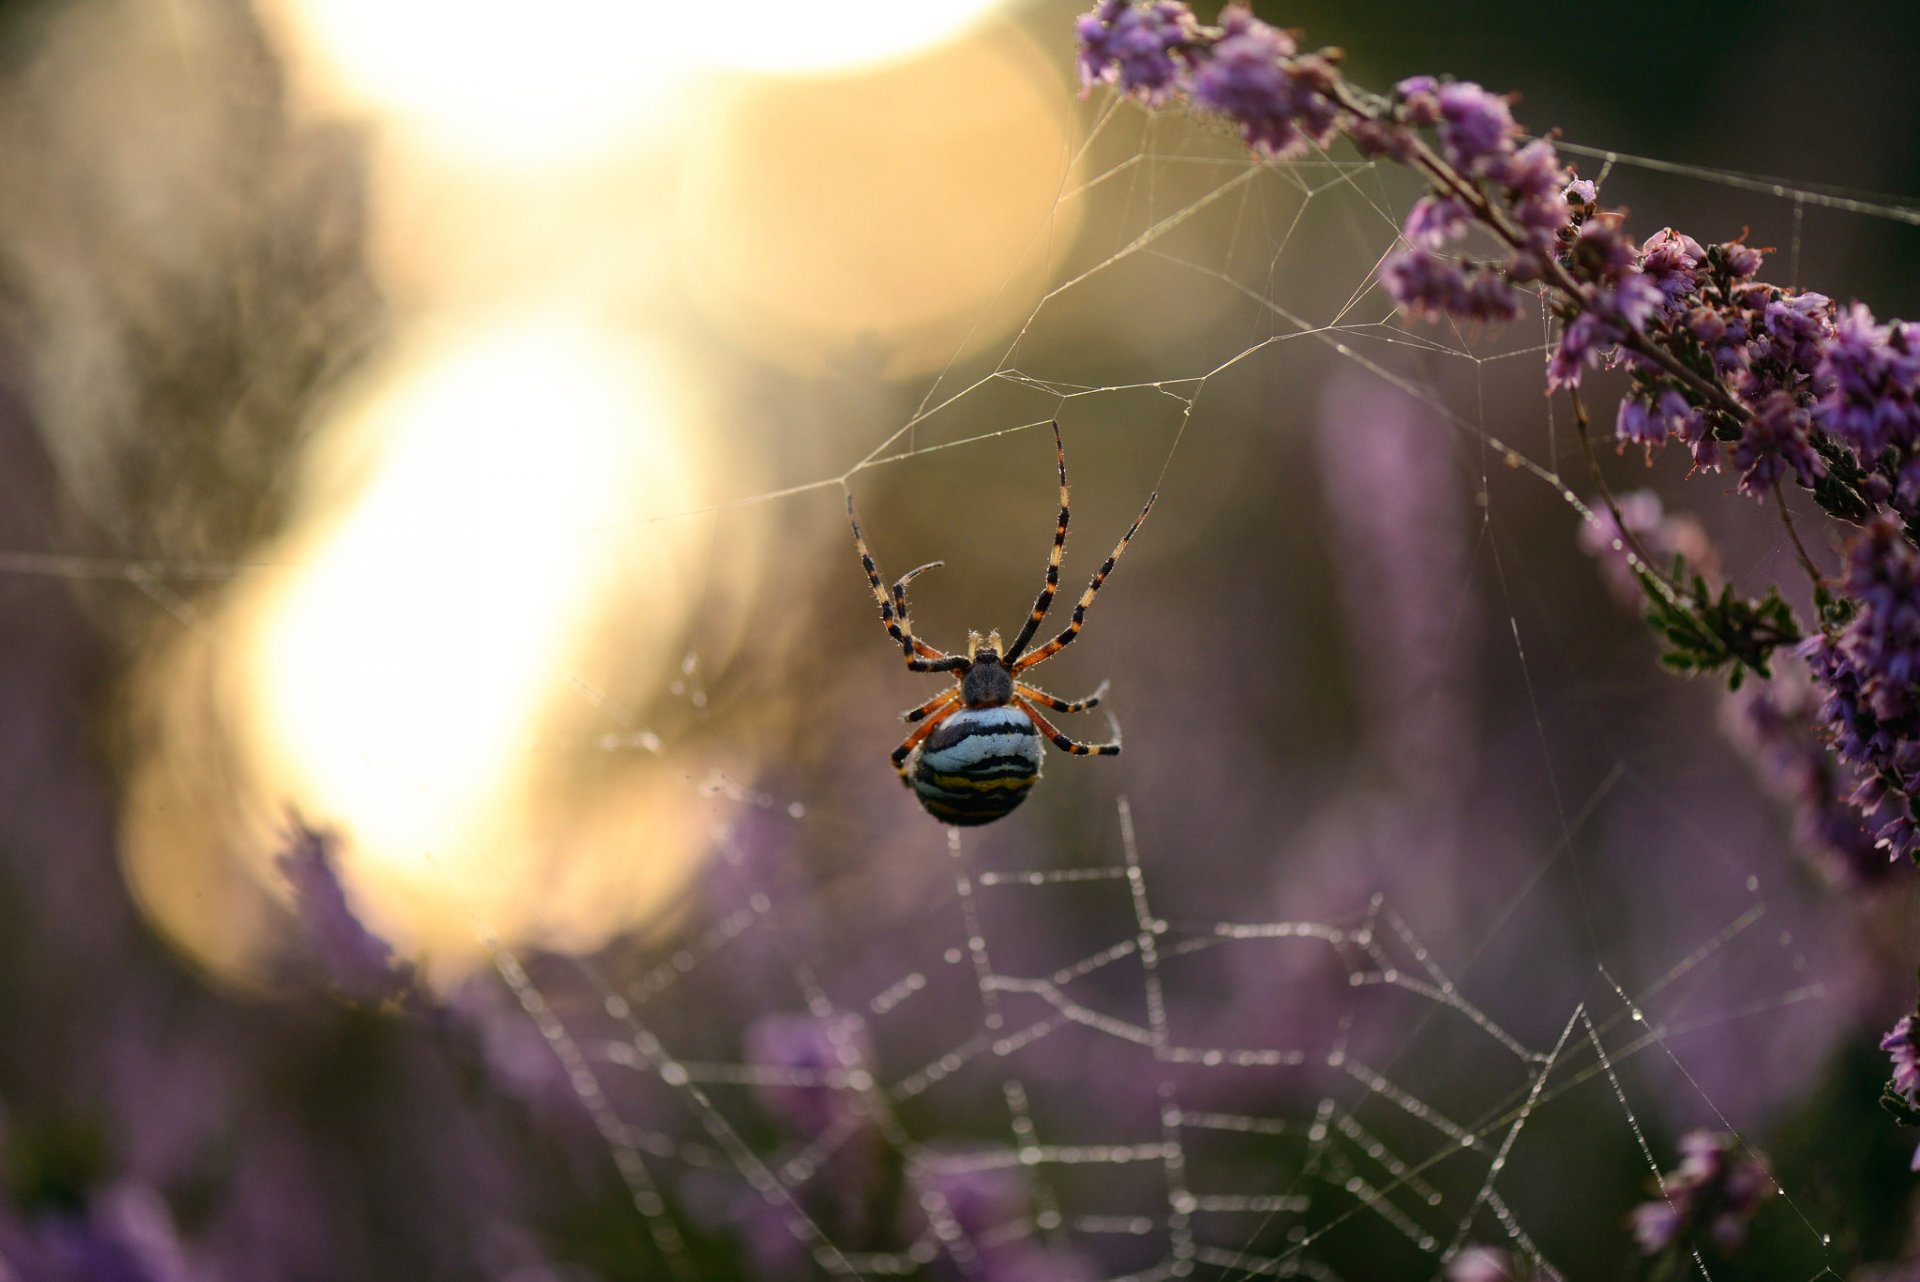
x=978 y=764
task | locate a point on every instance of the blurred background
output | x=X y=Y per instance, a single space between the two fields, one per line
x=432 y=424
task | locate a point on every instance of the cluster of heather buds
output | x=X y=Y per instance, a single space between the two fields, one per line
x=1251 y=73
x=1869 y=381
x=1714 y=1195
x=1869 y=669
x=1777 y=724
x=1490 y=169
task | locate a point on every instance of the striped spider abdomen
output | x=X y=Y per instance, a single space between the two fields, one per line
x=977 y=765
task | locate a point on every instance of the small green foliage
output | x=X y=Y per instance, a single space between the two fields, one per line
x=1895 y=1103
x=1841 y=490
x=1706 y=632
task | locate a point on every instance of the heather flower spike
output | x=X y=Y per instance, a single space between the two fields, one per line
x=359 y=963
x=1902 y=1094
x=1709 y=1200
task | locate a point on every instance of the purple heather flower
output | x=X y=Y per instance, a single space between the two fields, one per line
x=359 y=962
x=1435 y=221
x=1535 y=184
x=1593 y=334
x=1138 y=48
x=1533 y=172
x=1716 y=1192
x=1381 y=138
x=1424 y=283
x=1432 y=287
x=1420 y=99
x=1774 y=724
x=1870 y=673
x=125 y=1233
x=1905 y=1082
x=1871 y=676
x=1476 y=127
x=1882 y=578
x=1871 y=373
x=1672 y=261
x=1900 y=1044
x=1655 y=1225
x=1796 y=329
x=809 y=1059
x=1582 y=343
x=1742 y=260
x=1663 y=536
x=1582 y=191
x=1773 y=439
x=1601 y=251
x=1490 y=297
x=1250 y=76
x=1651 y=420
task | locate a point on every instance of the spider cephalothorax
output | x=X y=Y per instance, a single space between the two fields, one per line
x=976 y=752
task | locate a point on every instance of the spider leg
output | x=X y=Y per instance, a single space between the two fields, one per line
x=1045 y=700
x=1061 y=741
x=1054 y=646
x=901 y=612
x=912 y=741
x=920 y=656
x=932 y=705
x=1045 y=600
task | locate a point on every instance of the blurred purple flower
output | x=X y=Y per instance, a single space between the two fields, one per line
x=1662 y=535
x=1403 y=539
x=1251 y=76
x=358 y=962
x=1776 y=724
x=1900 y=1044
x=1717 y=1190
x=808 y=1062
x=1137 y=48
x=1435 y=221
x=124 y=1233
x=991 y=1207
x=1653 y=420
x=1774 y=440
x=1476 y=127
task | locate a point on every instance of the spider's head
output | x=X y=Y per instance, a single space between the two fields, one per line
x=987 y=683
x=985 y=649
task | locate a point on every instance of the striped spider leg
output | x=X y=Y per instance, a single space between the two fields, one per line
x=1022 y=662
x=1060 y=741
x=921 y=657
x=1028 y=696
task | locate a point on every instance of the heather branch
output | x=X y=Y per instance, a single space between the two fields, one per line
x=1776 y=381
x=1452 y=182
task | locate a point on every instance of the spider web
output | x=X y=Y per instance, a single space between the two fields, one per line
x=1275 y=1095
x=1190 y=1016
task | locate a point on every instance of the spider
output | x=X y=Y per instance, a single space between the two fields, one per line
x=975 y=752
